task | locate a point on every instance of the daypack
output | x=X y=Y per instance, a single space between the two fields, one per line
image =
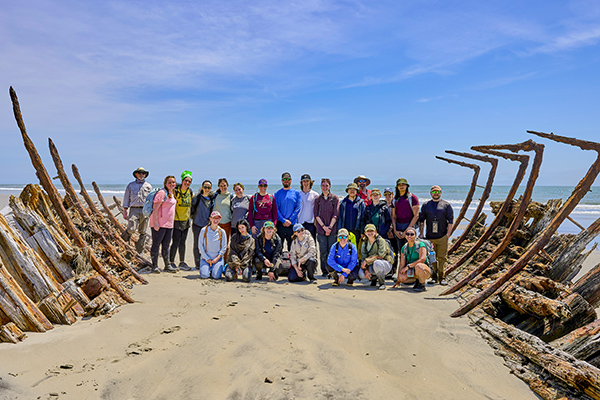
x=410 y=201
x=430 y=258
x=149 y=202
x=255 y=197
x=220 y=236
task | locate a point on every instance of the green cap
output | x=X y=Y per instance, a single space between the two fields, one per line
x=186 y=174
x=269 y=224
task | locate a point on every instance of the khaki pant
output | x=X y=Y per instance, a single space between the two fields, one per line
x=440 y=246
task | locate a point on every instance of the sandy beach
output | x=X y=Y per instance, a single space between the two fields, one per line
x=187 y=338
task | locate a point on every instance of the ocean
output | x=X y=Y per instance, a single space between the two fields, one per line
x=587 y=211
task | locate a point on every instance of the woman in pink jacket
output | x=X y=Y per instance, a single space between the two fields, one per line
x=161 y=223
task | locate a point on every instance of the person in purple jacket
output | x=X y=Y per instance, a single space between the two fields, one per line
x=262 y=208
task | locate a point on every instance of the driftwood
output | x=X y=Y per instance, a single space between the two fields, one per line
x=470 y=193
x=588 y=286
x=11 y=333
x=56 y=201
x=545 y=236
x=583 y=343
x=484 y=196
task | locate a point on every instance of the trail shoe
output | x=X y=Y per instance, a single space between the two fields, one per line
x=382 y=286
x=431 y=282
x=184 y=267
x=155 y=270
x=171 y=268
x=350 y=283
x=228 y=275
x=444 y=282
x=335 y=283
x=419 y=287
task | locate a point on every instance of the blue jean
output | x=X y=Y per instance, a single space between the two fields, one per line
x=206 y=271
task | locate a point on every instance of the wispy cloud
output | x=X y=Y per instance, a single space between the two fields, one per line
x=571 y=40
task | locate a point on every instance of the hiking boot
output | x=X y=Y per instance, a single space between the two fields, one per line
x=335 y=283
x=184 y=267
x=228 y=275
x=444 y=282
x=419 y=287
x=171 y=268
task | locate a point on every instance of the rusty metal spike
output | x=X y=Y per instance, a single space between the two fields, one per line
x=529 y=145
x=47 y=184
x=484 y=196
x=524 y=160
x=578 y=193
x=469 y=197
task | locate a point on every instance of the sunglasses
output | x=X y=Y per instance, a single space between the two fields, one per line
x=436 y=192
x=206 y=187
x=342 y=237
x=300 y=230
x=263 y=185
x=409 y=234
x=286 y=179
x=361 y=181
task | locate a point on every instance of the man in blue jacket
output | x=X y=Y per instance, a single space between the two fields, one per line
x=289 y=202
x=343 y=260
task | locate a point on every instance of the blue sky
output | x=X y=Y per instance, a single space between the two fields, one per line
x=332 y=88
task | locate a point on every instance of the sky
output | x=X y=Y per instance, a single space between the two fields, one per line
x=245 y=90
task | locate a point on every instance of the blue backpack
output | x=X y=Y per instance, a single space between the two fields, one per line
x=149 y=202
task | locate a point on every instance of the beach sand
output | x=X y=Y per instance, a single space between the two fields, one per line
x=187 y=338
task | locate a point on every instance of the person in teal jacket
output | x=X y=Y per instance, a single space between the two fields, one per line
x=343 y=260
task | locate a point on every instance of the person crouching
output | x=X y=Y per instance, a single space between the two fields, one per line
x=376 y=258
x=303 y=256
x=343 y=259
x=212 y=245
x=269 y=247
x=241 y=253
x=412 y=267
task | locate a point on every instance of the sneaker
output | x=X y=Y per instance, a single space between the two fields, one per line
x=419 y=287
x=313 y=281
x=335 y=283
x=382 y=286
x=171 y=268
x=184 y=267
x=444 y=282
x=155 y=270
x=431 y=282
x=350 y=283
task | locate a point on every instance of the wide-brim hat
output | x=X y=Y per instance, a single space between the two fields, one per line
x=360 y=177
x=401 y=181
x=352 y=186
x=142 y=170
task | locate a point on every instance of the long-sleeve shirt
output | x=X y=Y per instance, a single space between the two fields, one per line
x=262 y=208
x=212 y=243
x=307 y=209
x=352 y=214
x=241 y=249
x=438 y=213
x=300 y=252
x=269 y=250
x=223 y=206
x=289 y=203
x=240 y=206
x=136 y=193
x=378 y=248
x=327 y=209
x=343 y=257
x=201 y=208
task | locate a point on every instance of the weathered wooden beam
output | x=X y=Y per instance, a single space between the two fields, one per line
x=560 y=364
x=524 y=161
x=107 y=210
x=588 y=286
x=47 y=184
x=486 y=193
x=116 y=238
x=476 y=168
x=86 y=218
x=580 y=190
x=529 y=145
x=11 y=333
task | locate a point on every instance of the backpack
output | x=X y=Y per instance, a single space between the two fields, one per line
x=220 y=236
x=430 y=259
x=149 y=202
x=254 y=198
x=409 y=196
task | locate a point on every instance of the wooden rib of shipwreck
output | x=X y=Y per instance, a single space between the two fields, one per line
x=519 y=286
x=52 y=270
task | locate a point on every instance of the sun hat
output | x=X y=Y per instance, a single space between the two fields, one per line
x=370 y=227
x=142 y=170
x=373 y=191
x=352 y=186
x=297 y=227
x=401 y=181
x=215 y=214
x=360 y=177
x=186 y=174
x=269 y=224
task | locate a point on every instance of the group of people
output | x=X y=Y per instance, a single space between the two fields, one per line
x=362 y=236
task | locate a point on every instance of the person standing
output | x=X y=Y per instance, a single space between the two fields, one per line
x=133 y=204
x=388 y=193
x=364 y=193
x=212 y=246
x=223 y=204
x=327 y=212
x=181 y=226
x=352 y=212
x=343 y=260
x=202 y=206
x=239 y=205
x=437 y=216
x=379 y=214
x=288 y=202
x=306 y=217
x=161 y=223
x=405 y=212
x=262 y=208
